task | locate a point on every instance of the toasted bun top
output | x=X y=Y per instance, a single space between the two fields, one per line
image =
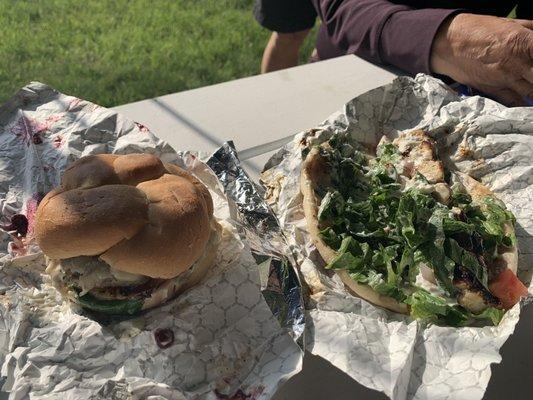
x=138 y=214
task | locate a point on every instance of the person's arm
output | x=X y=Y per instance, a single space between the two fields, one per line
x=383 y=32
x=491 y=54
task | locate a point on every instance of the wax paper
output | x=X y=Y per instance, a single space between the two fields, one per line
x=234 y=333
x=382 y=350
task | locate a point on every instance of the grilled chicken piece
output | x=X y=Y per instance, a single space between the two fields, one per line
x=423 y=151
x=419 y=149
x=442 y=192
x=472 y=294
x=432 y=170
x=407 y=141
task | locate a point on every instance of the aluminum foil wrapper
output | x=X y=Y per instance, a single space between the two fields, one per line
x=233 y=336
x=382 y=350
x=269 y=247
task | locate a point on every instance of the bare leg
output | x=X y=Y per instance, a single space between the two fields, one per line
x=282 y=50
x=314 y=56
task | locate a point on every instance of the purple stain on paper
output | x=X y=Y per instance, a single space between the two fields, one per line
x=58 y=141
x=142 y=128
x=31 y=209
x=164 y=337
x=240 y=395
x=37 y=139
x=18 y=225
x=21 y=225
x=25 y=128
x=30 y=129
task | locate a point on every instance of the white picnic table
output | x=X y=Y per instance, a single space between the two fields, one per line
x=260 y=114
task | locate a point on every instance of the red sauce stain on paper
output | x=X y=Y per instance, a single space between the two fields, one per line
x=30 y=129
x=142 y=128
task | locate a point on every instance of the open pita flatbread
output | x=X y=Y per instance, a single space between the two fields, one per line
x=417 y=168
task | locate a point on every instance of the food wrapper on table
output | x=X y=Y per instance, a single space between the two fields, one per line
x=232 y=336
x=382 y=350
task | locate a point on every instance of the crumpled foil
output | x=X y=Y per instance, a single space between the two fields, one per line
x=389 y=352
x=234 y=333
x=262 y=232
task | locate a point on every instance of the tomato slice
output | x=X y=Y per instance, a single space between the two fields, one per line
x=508 y=288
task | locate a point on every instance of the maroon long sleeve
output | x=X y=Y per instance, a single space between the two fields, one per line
x=379 y=31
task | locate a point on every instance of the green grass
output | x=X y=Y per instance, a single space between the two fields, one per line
x=115 y=52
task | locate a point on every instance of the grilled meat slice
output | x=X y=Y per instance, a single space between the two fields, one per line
x=433 y=171
x=472 y=294
x=143 y=290
x=418 y=149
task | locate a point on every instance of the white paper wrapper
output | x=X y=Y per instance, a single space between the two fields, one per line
x=386 y=351
x=227 y=342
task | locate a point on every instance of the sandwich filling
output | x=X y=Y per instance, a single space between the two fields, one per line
x=97 y=286
x=402 y=226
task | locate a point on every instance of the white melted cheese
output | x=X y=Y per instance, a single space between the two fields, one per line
x=419 y=184
x=434 y=289
x=53 y=268
x=125 y=276
x=88 y=273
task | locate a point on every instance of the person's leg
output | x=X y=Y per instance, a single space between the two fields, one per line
x=314 y=56
x=282 y=50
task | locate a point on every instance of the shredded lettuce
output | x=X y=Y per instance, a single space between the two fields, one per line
x=117 y=307
x=431 y=308
x=432 y=251
x=331 y=238
x=434 y=309
x=495 y=217
x=467 y=259
x=331 y=206
x=387 y=153
x=453 y=226
x=352 y=255
x=459 y=196
x=383 y=235
x=376 y=281
x=495 y=315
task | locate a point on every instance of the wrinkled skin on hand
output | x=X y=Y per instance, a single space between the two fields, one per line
x=491 y=54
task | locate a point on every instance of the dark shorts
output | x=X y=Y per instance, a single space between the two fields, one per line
x=285 y=16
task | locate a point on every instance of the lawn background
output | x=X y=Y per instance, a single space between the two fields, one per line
x=116 y=52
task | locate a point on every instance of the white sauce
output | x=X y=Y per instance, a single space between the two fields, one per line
x=419 y=184
x=125 y=276
x=434 y=289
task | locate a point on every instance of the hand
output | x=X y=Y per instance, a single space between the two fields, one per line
x=491 y=54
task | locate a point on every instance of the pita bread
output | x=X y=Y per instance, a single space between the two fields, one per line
x=315 y=174
x=314 y=171
x=509 y=255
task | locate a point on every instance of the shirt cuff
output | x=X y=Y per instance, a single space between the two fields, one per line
x=407 y=37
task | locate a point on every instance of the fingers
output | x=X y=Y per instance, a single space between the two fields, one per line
x=527 y=74
x=528 y=44
x=522 y=87
x=522 y=60
x=509 y=98
x=526 y=23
